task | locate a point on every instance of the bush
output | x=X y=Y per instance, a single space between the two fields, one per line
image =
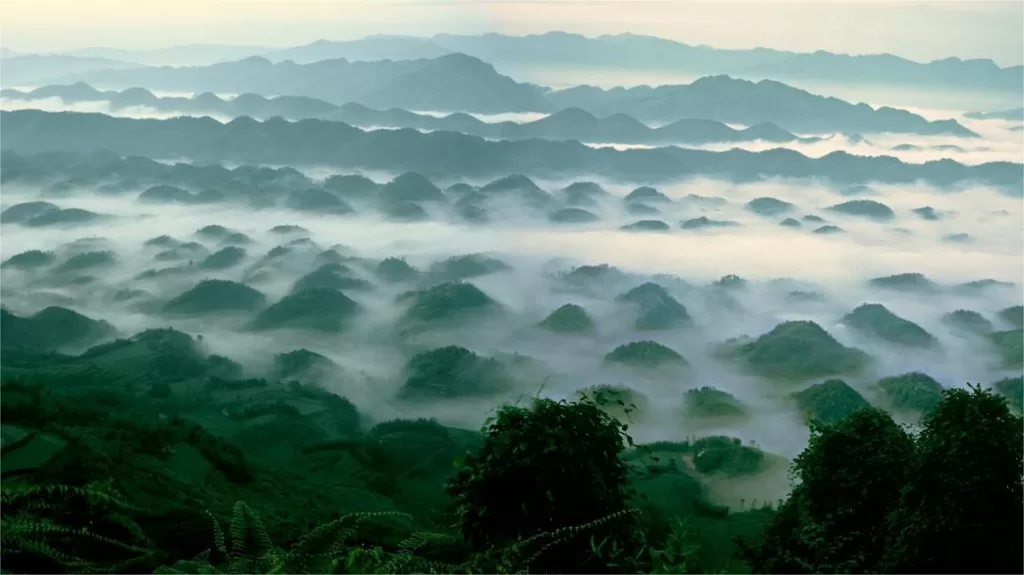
x=849 y=479
x=960 y=511
x=541 y=468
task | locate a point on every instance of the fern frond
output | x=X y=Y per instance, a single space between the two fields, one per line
x=563 y=534
x=421 y=538
x=249 y=540
x=218 y=536
x=327 y=541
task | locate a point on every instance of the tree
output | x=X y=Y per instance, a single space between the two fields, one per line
x=850 y=477
x=541 y=468
x=961 y=510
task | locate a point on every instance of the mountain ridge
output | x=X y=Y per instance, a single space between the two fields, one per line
x=316 y=142
x=566 y=124
x=457 y=82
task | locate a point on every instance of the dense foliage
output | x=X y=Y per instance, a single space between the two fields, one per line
x=149 y=454
x=871 y=497
x=563 y=462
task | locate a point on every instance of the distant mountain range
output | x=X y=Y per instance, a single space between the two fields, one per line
x=457 y=82
x=636 y=52
x=31 y=70
x=567 y=124
x=623 y=51
x=451 y=82
x=744 y=102
x=316 y=142
x=182 y=55
x=1015 y=114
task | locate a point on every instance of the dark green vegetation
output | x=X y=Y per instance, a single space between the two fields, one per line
x=39 y=214
x=1013 y=315
x=447 y=302
x=332 y=275
x=968 y=321
x=451 y=372
x=86 y=261
x=726 y=456
x=710 y=403
x=872 y=498
x=317 y=308
x=52 y=328
x=623 y=403
x=829 y=401
x=467 y=266
x=1012 y=388
x=983 y=489
x=645 y=354
x=656 y=308
x=21 y=212
x=29 y=260
x=875 y=320
x=303 y=364
x=796 y=350
x=1009 y=345
x=396 y=270
x=570 y=318
x=116 y=459
x=225 y=258
x=216 y=296
x=912 y=391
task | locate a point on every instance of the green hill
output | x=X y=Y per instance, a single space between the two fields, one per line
x=318 y=309
x=645 y=354
x=570 y=318
x=216 y=296
x=877 y=321
x=796 y=350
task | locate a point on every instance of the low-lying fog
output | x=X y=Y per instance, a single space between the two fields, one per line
x=1000 y=140
x=758 y=249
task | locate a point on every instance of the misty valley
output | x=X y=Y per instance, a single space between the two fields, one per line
x=382 y=306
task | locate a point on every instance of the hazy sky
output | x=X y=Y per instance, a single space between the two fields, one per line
x=917 y=30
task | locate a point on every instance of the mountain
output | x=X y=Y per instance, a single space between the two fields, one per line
x=1014 y=114
x=317 y=142
x=34 y=69
x=731 y=100
x=762 y=106
x=451 y=82
x=648 y=53
x=376 y=47
x=370 y=48
x=636 y=53
x=568 y=124
x=183 y=55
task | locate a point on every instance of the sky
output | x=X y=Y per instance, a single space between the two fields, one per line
x=913 y=29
